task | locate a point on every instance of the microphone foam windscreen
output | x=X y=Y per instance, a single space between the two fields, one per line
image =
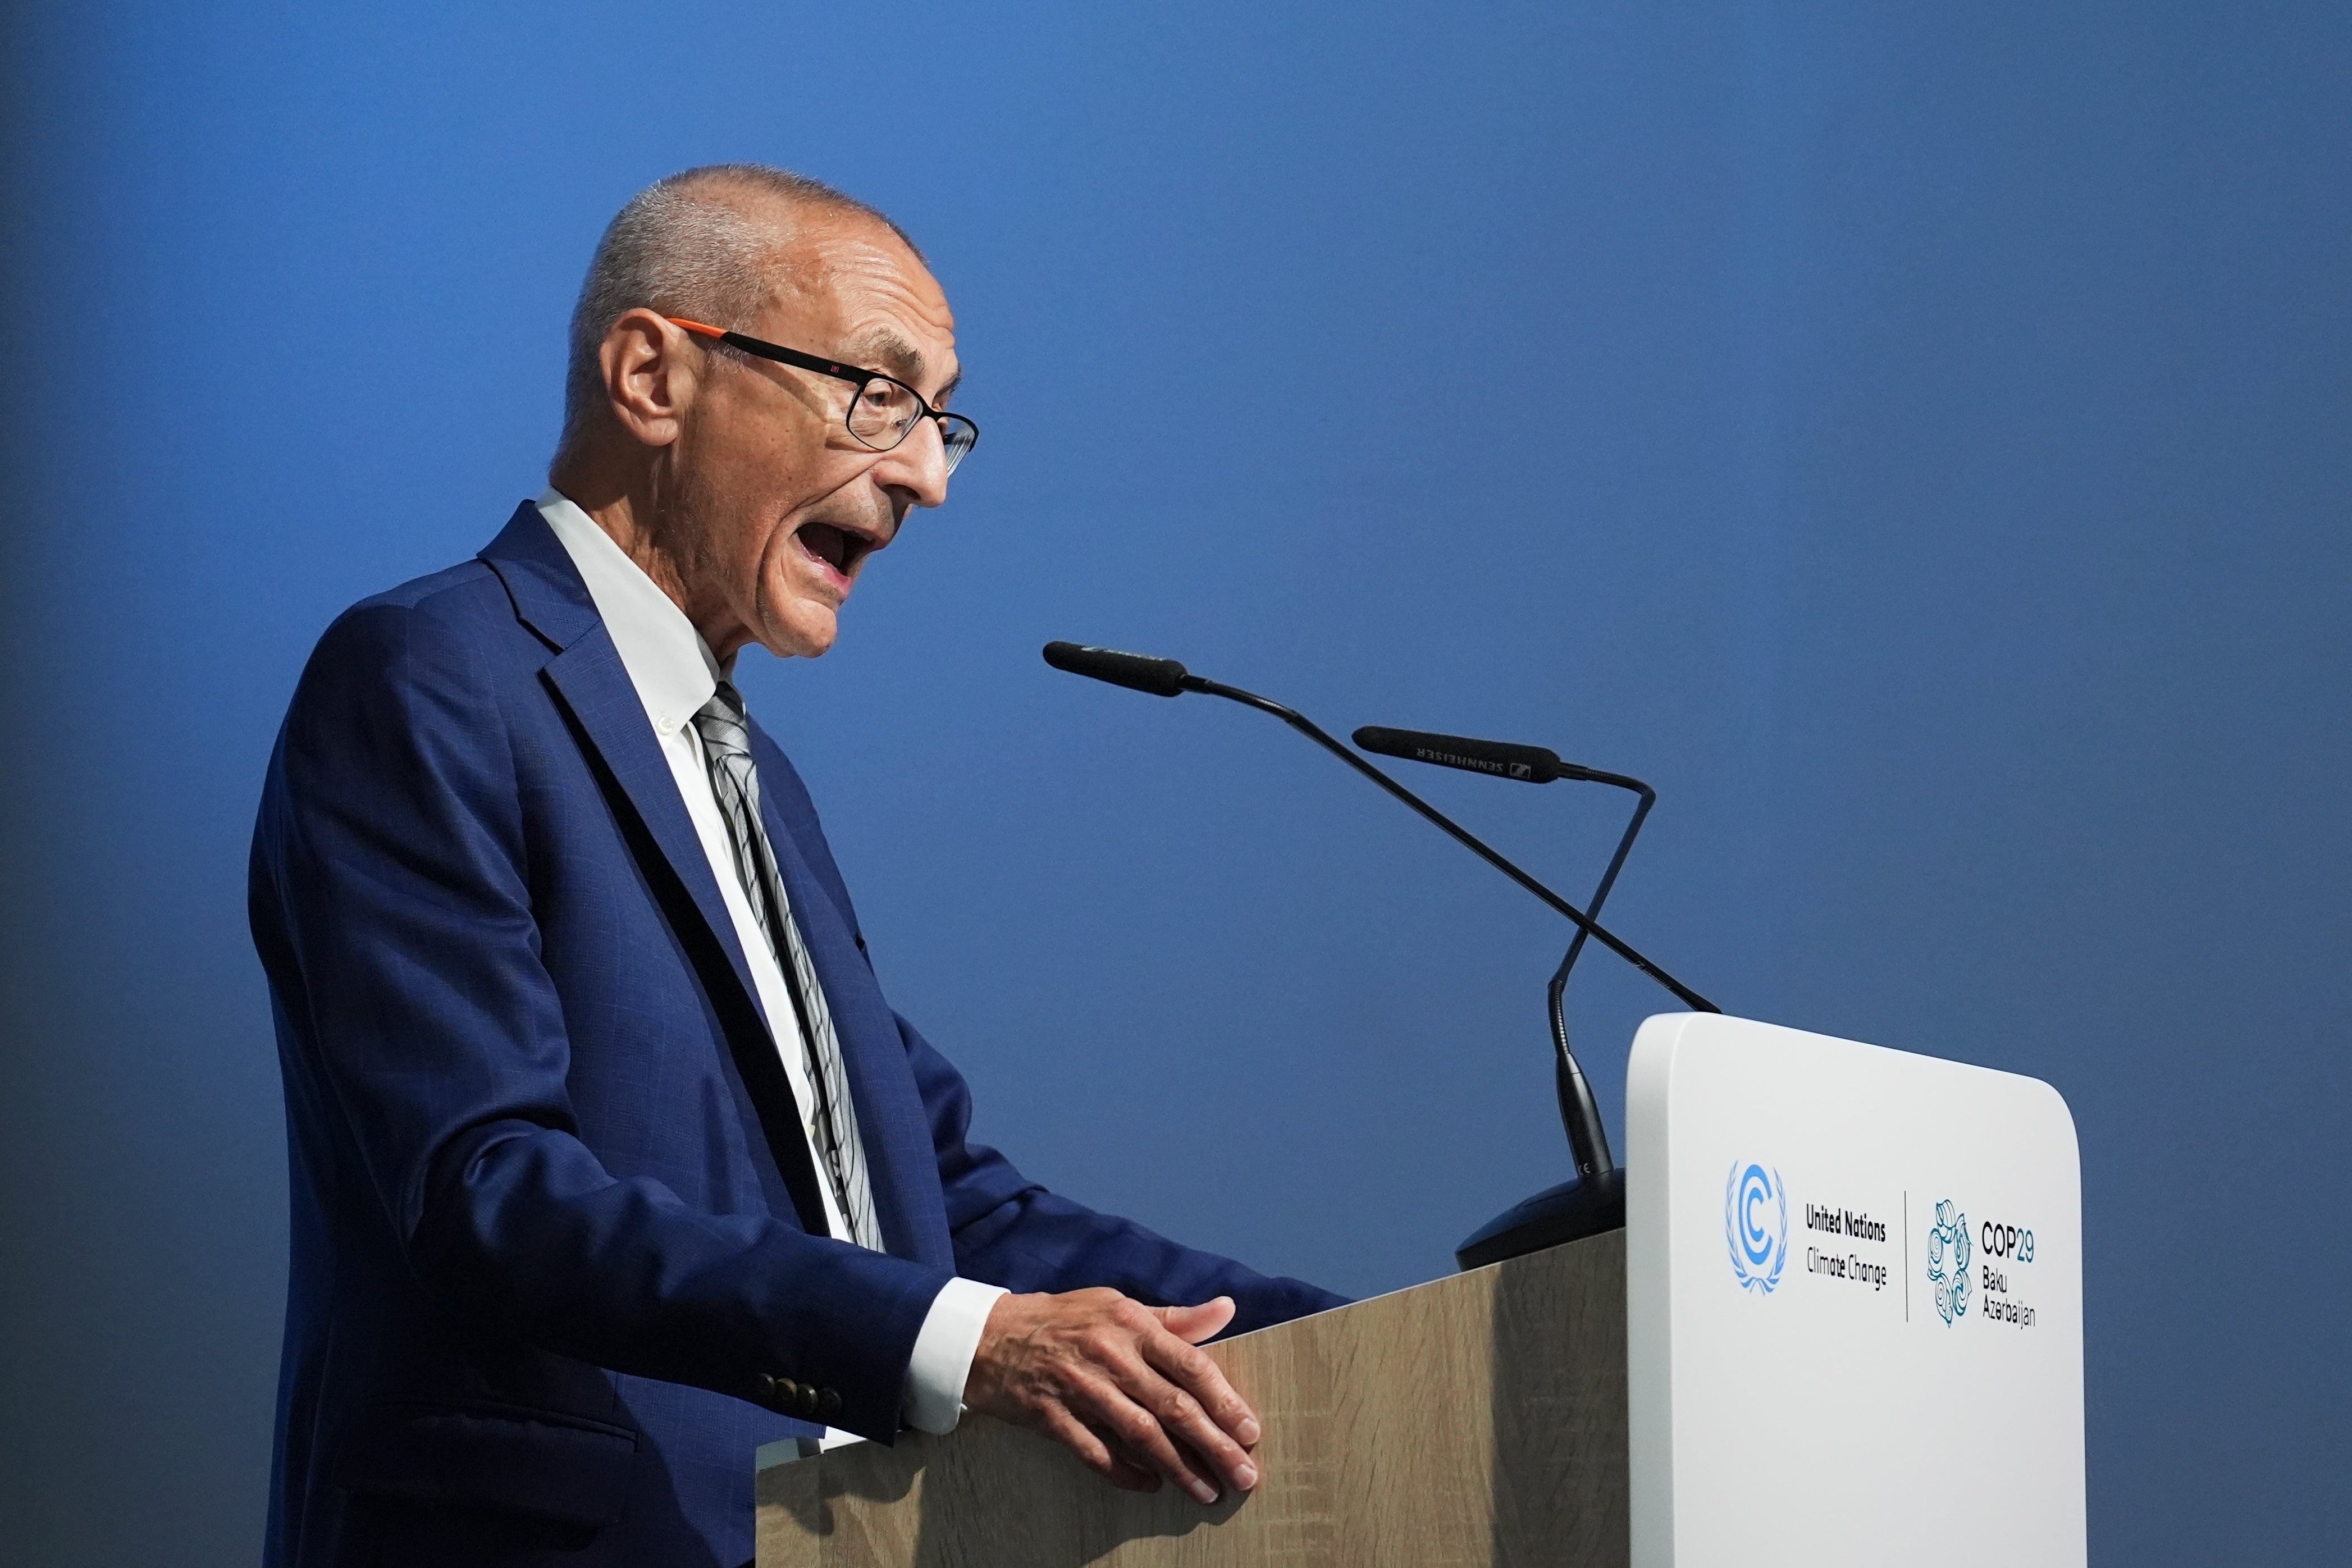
x=1137 y=672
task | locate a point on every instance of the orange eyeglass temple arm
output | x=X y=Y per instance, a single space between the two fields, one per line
x=696 y=327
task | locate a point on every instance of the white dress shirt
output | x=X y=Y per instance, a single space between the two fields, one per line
x=674 y=673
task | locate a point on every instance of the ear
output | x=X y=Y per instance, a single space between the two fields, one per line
x=650 y=375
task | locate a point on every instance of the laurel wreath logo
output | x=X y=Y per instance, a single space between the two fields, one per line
x=1947 y=1261
x=1758 y=1252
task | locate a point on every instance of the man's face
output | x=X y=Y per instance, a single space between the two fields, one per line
x=783 y=504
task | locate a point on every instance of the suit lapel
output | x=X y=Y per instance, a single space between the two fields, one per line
x=901 y=1164
x=588 y=676
x=591 y=684
x=587 y=671
x=595 y=686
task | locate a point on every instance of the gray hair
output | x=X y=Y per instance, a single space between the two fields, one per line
x=688 y=245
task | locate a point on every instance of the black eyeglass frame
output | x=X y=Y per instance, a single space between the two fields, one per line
x=857 y=376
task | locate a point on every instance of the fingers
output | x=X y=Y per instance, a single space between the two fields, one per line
x=1124 y=1387
x=1094 y=1452
x=1158 y=1417
x=1144 y=1437
x=1200 y=1375
x=1195 y=1324
x=1190 y=1397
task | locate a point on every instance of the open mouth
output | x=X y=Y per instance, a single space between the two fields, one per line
x=839 y=548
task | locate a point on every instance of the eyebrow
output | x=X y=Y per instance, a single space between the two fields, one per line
x=886 y=349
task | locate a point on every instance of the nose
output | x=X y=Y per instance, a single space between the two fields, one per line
x=917 y=465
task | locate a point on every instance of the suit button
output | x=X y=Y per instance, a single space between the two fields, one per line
x=783 y=1393
x=828 y=1404
x=807 y=1402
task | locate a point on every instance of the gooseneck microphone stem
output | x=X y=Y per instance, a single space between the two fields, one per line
x=1649 y=798
x=1585 y=924
x=1594 y=1201
x=1580 y=1113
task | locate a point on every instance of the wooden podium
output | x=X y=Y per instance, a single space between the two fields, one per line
x=1477 y=1419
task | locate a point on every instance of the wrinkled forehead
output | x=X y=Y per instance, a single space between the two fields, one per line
x=850 y=288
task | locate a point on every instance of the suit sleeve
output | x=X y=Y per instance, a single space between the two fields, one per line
x=1010 y=1231
x=391 y=901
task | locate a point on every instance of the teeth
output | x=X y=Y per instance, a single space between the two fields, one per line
x=825 y=543
x=838 y=548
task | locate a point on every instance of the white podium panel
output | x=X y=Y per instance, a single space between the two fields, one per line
x=1854 y=1305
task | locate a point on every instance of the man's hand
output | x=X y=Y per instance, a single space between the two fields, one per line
x=1121 y=1385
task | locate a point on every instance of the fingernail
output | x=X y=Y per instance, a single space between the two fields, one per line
x=1247 y=1431
x=1246 y=1477
x=1203 y=1493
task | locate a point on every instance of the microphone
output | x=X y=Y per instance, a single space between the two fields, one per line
x=1166 y=678
x=1160 y=677
x=1495 y=758
x=1532 y=764
x=1595 y=1201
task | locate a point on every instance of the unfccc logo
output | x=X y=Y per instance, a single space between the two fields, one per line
x=1756 y=1225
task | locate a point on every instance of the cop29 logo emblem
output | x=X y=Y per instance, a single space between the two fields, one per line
x=1756 y=1226
x=1947 y=1261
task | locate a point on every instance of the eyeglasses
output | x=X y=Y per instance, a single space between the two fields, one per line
x=883 y=413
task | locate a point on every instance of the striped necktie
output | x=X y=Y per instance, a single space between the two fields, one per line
x=832 y=1122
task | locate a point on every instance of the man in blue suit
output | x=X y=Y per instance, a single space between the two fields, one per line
x=610 y=1162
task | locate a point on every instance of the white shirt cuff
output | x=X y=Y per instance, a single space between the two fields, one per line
x=943 y=1352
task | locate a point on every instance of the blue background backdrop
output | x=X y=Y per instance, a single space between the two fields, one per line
x=1928 y=461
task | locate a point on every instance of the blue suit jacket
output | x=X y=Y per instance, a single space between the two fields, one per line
x=552 y=1208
